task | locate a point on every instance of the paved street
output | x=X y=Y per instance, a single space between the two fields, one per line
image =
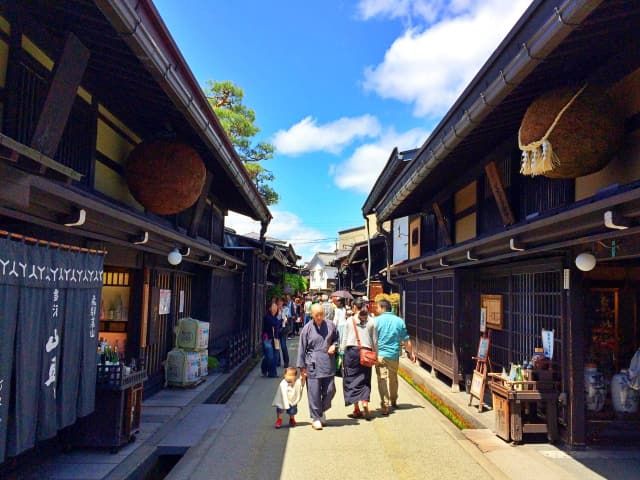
x=414 y=442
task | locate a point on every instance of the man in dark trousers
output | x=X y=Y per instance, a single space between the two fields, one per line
x=316 y=361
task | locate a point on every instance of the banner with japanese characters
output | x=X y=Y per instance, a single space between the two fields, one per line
x=48 y=339
x=8 y=317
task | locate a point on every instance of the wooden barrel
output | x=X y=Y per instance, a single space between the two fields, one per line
x=166 y=177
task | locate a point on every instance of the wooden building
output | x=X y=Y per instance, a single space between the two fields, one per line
x=267 y=261
x=478 y=226
x=354 y=268
x=108 y=143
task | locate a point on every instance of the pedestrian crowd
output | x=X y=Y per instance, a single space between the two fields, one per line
x=336 y=338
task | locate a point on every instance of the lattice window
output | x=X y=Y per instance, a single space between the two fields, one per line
x=411 y=306
x=443 y=317
x=116 y=278
x=531 y=302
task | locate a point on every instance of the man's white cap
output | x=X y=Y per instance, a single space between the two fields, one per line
x=365 y=298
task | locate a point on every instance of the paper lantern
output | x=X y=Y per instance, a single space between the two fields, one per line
x=165 y=177
x=586 y=261
x=569 y=132
x=174 y=257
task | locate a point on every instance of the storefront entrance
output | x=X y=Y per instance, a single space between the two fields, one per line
x=612 y=339
x=169 y=294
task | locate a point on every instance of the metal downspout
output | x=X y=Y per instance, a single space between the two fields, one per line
x=388 y=245
x=366 y=223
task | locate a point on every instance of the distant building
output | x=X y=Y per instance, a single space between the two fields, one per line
x=349 y=237
x=322 y=275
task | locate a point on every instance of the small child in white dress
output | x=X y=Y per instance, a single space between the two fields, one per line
x=288 y=396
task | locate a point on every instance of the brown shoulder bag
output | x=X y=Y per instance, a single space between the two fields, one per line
x=368 y=358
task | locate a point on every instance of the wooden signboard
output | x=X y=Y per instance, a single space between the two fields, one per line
x=477 y=385
x=479 y=380
x=493 y=307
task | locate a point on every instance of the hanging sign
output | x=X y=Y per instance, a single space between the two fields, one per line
x=181 y=309
x=493 y=306
x=483 y=320
x=165 y=302
x=547 y=343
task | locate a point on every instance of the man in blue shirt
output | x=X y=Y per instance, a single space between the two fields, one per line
x=392 y=331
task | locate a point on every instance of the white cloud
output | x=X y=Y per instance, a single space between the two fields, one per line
x=309 y=136
x=426 y=10
x=285 y=226
x=429 y=65
x=360 y=171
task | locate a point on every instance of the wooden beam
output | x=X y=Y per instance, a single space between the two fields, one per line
x=495 y=182
x=442 y=224
x=15 y=187
x=198 y=209
x=18 y=150
x=66 y=79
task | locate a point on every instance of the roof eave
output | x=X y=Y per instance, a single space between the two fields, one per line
x=551 y=31
x=381 y=181
x=140 y=25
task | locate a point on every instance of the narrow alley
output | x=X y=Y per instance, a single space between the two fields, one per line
x=409 y=444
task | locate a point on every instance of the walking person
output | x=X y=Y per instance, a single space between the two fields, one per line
x=318 y=346
x=391 y=331
x=283 y=316
x=298 y=316
x=291 y=316
x=270 y=332
x=327 y=307
x=339 y=320
x=288 y=396
x=307 y=309
x=359 y=333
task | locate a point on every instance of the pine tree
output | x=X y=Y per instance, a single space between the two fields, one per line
x=239 y=121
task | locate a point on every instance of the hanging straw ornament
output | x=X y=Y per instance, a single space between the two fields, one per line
x=569 y=132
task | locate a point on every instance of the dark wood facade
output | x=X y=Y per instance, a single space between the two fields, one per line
x=494 y=231
x=77 y=94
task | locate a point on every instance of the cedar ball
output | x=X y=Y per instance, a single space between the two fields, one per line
x=166 y=177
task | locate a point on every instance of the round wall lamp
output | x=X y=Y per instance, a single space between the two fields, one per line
x=174 y=257
x=586 y=261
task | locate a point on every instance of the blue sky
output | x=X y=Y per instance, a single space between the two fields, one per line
x=336 y=85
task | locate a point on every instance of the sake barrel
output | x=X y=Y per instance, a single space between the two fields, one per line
x=204 y=362
x=182 y=367
x=595 y=388
x=624 y=398
x=202 y=335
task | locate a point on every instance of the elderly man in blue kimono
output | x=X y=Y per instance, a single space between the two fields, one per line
x=316 y=361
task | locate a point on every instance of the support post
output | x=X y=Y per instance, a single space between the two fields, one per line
x=62 y=93
x=198 y=209
x=495 y=182
x=442 y=224
x=574 y=362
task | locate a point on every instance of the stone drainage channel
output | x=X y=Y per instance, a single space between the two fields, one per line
x=202 y=416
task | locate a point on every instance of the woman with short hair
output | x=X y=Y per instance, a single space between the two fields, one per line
x=359 y=332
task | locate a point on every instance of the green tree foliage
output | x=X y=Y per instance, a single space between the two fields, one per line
x=297 y=283
x=239 y=121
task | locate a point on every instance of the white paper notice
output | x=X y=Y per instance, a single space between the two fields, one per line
x=547 y=343
x=165 y=302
